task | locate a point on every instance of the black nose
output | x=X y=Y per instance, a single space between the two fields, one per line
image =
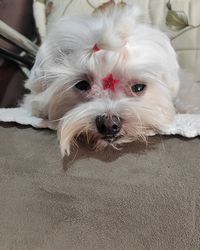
x=108 y=125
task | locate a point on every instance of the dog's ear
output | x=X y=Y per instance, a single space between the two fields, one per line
x=172 y=80
x=35 y=82
x=187 y=100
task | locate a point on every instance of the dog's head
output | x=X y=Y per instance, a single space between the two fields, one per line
x=109 y=77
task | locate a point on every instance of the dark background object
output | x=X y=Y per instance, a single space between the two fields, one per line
x=17 y=14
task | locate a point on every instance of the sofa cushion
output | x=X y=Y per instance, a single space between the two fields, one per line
x=138 y=198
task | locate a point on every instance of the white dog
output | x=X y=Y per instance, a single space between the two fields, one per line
x=109 y=77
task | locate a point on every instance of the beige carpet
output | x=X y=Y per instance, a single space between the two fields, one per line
x=133 y=199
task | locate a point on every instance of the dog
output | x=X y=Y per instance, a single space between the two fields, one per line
x=109 y=77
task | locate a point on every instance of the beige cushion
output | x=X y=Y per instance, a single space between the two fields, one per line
x=135 y=199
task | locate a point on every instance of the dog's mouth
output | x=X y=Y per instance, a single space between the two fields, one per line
x=111 y=138
x=95 y=139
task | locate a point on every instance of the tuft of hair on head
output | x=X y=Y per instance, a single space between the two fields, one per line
x=118 y=23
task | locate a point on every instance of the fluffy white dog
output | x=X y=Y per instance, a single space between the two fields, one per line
x=109 y=77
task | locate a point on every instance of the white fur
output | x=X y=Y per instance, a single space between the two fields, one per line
x=129 y=49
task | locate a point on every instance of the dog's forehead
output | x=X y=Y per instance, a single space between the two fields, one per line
x=108 y=66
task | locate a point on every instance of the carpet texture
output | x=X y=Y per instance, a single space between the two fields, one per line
x=139 y=198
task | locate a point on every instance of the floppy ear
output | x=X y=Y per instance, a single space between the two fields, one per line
x=171 y=73
x=36 y=83
x=172 y=81
x=187 y=100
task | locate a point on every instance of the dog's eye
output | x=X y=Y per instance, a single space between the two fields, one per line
x=83 y=86
x=137 y=88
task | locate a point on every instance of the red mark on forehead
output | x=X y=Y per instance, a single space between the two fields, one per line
x=96 y=48
x=110 y=82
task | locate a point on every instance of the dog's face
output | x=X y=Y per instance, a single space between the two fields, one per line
x=108 y=78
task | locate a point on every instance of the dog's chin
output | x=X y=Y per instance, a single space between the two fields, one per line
x=111 y=138
x=108 y=141
x=99 y=143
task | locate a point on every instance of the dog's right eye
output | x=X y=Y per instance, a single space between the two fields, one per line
x=83 y=86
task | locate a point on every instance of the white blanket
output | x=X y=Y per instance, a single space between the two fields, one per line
x=187 y=125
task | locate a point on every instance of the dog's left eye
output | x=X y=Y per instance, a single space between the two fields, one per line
x=137 y=88
x=83 y=86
